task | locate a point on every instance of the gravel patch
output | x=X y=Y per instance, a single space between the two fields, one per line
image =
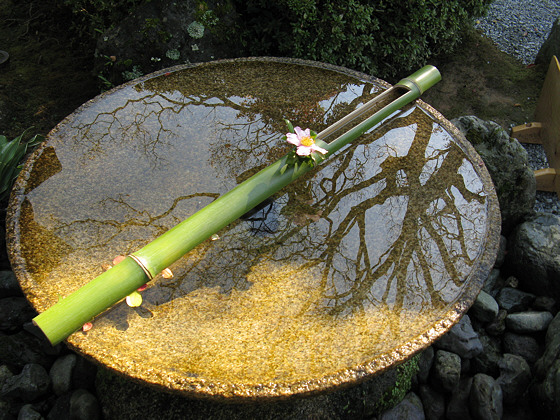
x=519 y=28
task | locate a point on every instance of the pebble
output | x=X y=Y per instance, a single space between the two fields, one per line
x=27 y=412
x=515 y=377
x=514 y=300
x=9 y=285
x=458 y=406
x=32 y=383
x=498 y=326
x=61 y=373
x=485 y=398
x=485 y=308
x=409 y=408
x=528 y=322
x=446 y=370
x=432 y=401
x=461 y=339
x=14 y=311
x=84 y=406
x=522 y=345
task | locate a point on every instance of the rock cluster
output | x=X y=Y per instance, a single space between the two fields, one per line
x=38 y=381
x=501 y=361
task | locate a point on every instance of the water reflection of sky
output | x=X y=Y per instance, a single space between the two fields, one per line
x=382 y=236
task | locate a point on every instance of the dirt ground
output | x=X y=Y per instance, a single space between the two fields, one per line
x=478 y=79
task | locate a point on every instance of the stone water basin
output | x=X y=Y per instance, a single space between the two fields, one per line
x=346 y=272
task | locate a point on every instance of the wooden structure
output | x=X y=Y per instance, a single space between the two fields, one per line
x=546 y=129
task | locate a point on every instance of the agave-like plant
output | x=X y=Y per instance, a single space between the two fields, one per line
x=11 y=155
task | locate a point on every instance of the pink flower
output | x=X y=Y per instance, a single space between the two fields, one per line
x=304 y=142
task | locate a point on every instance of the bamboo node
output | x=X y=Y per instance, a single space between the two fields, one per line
x=141 y=264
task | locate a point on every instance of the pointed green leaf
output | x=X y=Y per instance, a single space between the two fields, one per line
x=290 y=126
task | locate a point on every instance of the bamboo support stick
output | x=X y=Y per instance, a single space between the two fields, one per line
x=68 y=315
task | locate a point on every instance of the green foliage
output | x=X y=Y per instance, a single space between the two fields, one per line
x=97 y=15
x=11 y=154
x=379 y=37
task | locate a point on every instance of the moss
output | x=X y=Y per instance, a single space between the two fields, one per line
x=395 y=395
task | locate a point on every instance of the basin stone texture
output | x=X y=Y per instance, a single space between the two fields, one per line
x=346 y=272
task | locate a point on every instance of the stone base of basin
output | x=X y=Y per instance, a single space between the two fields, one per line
x=346 y=272
x=120 y=398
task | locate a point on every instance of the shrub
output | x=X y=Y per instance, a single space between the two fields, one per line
x=92 y=17
x=11 y=154
x=378 y=37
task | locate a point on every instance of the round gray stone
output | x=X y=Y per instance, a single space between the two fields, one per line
x=515 y=376
x=425 y=362
x=534 y=255
x=485 y=308
x=485 y=398
x=446 y=370
x=522 y=345
x=487 y=361
x=84 y=406
x=461 y=339
x=492 y=284
x=409 y=408
x=9 y=285
x=528 y=322
x=551 y=350
x=433 y=402
x=32 y=383
x=458 y=406
x=498 y=326
x=61 y=373
x=514 y=300
x=14 y=312
x=27 y=412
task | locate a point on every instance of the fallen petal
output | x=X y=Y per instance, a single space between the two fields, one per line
x=87 y=326
x=118 y=259
x=167 y=274
x=134 y=299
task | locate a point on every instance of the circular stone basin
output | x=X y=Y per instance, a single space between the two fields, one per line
x=346 y=272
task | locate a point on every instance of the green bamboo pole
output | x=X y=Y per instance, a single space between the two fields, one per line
x=68 y=315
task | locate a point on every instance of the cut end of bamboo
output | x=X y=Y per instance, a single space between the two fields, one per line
x=422 y=79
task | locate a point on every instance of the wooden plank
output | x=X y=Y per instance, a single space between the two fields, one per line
x=546 y=129
x=528 y=133
x=546 y=180
x=548 y=114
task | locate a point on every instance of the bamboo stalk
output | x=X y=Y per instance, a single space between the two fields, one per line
x=68 y=315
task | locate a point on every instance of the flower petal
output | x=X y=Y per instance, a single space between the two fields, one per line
x=319 y=149
x=134 y=299
x=293 y=139
x=302 y=133
x=304 y=150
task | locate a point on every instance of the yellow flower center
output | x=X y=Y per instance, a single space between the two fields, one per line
x=307 y=141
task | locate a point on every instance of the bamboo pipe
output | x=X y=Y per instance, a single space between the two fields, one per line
x=68 y=315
